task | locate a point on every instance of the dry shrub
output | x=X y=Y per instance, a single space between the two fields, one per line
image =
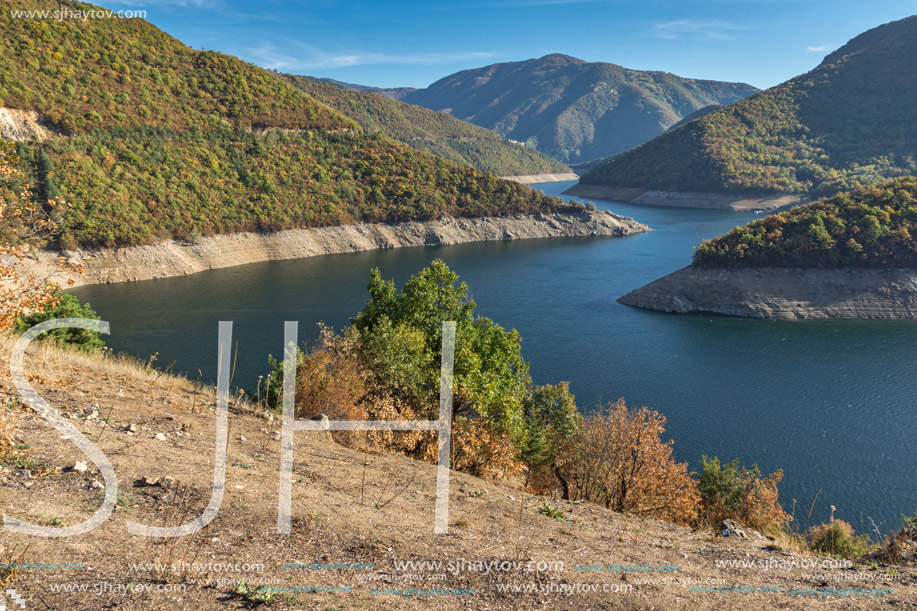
x=901 y=545
x=837 y=538
x=333 y=380
x=730 y=491
x=7 y=432
x=483 y=453
x=618 y=460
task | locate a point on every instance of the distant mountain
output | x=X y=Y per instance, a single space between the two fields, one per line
x=430 y=131
x=850 y=121
x=570 y=109
x=394 y=93
x=697 y=114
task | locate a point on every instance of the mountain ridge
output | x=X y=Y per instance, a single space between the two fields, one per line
x=427 y=130
x=848 y=121
x=571 y=109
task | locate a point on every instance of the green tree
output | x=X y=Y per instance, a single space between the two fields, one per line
x=551 y=418
x=67 y=306
x=400 y=335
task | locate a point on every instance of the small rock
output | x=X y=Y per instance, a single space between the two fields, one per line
x=149 y=481
x=242 y=438
x=23 y=473
x=167 y=482
x=731 y=528
x=160 y=437
x=277 y=435
x=130 y=428
x=97 y=484
x=80 y=467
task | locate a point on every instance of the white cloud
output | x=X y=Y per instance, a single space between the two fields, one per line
x=818 y=48
x=705 y=29
x=295 y=56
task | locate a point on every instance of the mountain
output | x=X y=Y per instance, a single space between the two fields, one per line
x=149 y=139
x=697 y=114
x=852 y=120
x=570 y=109
x=394 y=93
x=430 y=131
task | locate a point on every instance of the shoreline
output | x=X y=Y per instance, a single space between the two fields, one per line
x=532 y=179
x=181 y=258
x=783 y=293
x=683 y=199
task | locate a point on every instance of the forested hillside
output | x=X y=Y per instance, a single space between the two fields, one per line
x=152 y=140
x=850 y=121
x=431 y=131
x=869 y=227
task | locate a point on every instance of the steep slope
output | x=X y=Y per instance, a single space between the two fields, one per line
x=152 y=140
x=852 y=120
x=360 y=522
x=430 y=131
x=571 y=109
x=102 y=73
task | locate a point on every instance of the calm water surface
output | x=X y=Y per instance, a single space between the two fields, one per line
x=832 y=403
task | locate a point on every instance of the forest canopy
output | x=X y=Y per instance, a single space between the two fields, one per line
x=868 y=227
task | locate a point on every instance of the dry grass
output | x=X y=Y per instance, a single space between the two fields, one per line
x=50 y=357
x=173 y=559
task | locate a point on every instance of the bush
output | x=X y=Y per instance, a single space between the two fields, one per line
x=551 y=419
x=732 y=492
x=65 y=306
x=618 y=460
x=837 y=538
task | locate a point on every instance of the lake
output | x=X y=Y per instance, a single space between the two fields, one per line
x=829 y=402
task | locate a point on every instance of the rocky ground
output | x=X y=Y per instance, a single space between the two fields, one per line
x=356 y=516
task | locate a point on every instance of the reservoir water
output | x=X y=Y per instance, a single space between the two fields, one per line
x=829 y=402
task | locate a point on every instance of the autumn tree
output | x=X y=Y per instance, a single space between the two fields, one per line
x=619 y=460
x=730 y=491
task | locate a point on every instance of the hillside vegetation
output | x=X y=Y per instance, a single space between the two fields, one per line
x=163 y=141
x=570 y=109
x=850 y=121
x=430 y=131
x=146 y=185
x=101 y=73
x=869 y=227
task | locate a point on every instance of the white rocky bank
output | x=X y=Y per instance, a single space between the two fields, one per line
x=783 y=293
x=178 y=258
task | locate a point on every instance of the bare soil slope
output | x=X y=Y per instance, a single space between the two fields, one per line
x=348 y=507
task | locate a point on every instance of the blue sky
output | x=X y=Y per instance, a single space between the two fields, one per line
x=413 y=43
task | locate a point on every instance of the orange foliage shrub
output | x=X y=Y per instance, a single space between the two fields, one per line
x=731 y=491
x=618 y=460
x=334 y=379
